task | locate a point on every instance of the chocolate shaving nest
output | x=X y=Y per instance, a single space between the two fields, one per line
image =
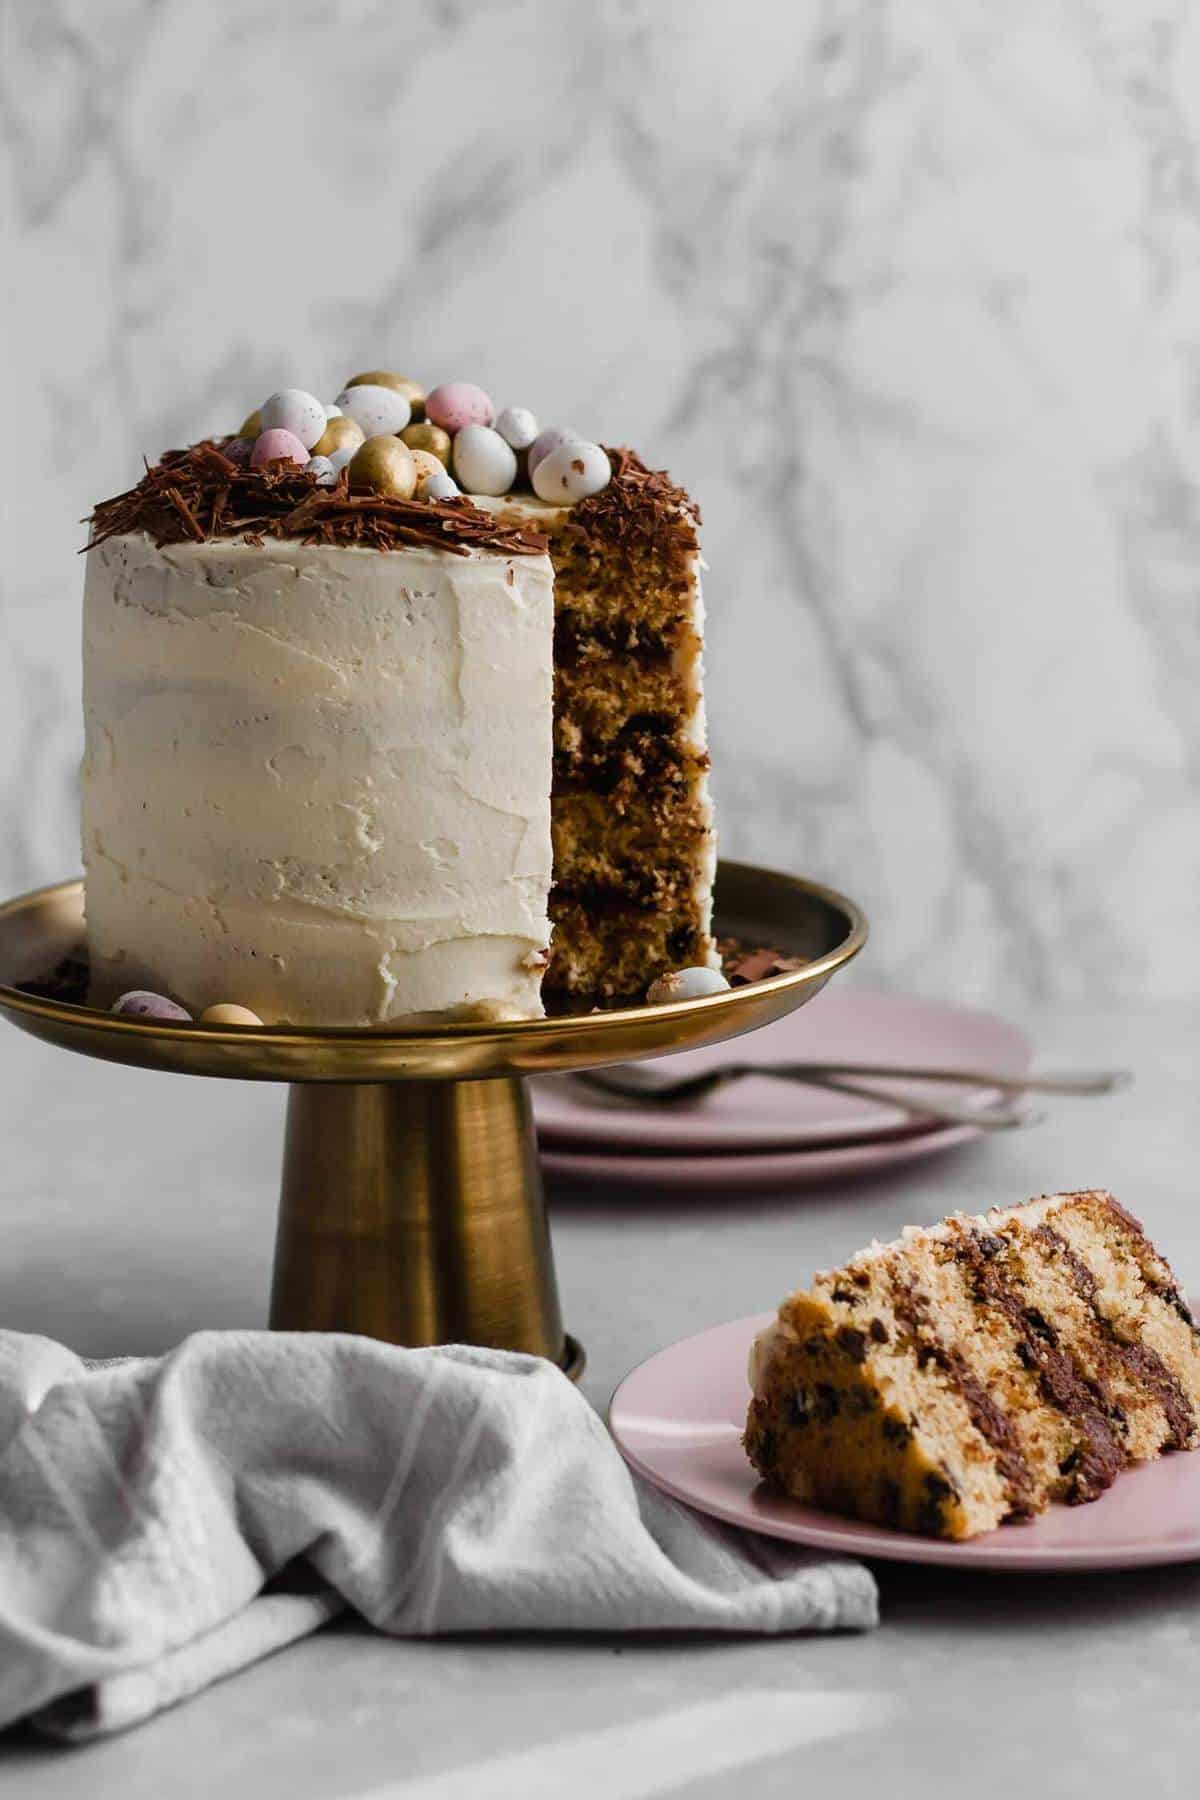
x=201 y=493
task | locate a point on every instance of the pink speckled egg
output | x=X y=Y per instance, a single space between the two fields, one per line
x=139 y=1003
x=276 y=444
x=457 y=404
x=553 y=438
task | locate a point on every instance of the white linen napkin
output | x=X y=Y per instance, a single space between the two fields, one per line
x=146 y=1505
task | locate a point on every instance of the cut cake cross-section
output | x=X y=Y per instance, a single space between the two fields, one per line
x=975 y=1371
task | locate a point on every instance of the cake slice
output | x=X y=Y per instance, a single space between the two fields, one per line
x=975 y=1371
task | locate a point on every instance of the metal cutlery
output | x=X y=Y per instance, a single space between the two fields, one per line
x=634 y=1081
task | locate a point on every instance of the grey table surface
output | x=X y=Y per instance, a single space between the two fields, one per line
x=136 y=1207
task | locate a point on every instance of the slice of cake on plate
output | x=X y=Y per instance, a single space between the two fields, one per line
x=362 y=746
x=975 y=1371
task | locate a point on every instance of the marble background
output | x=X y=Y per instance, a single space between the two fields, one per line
x=907 y=294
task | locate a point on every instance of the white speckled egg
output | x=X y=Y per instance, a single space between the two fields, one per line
x=483 y=462
x=322 y=467
x=572 y=472
x=332 y=411
x=381 y=411
x=438 y=486
x=291 y=409
x=686 y=984
x=517 y=426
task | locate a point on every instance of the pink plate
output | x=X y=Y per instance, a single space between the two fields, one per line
x=759 y=1114
x=678 y=1420
x=752 y=1174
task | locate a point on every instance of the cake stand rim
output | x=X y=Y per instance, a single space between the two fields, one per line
x=483 y=1047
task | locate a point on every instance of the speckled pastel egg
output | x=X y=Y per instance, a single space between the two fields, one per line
x=291 y=409
x=251 y=426
x=139 y=1003
x=227 y=1012
x=571 y=473
x=278 y=445
x=457 y=404
x=381 y=411
x=339 y=440
x=424 y=436
x=553 y=438
x=385 y=466
x=323 y=470
x=686 y=984
x=517 y=426
x=483 y=462
x=412 y=390
x=441 y=486
x=427 y=464
x=239 y=450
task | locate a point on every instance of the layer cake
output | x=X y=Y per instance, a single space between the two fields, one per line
x=355 y=755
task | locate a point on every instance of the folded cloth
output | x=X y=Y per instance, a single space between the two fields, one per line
x=146 y=1505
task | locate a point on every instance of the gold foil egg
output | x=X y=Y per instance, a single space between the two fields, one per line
x=383 y=465
x=252 y=425
x=340 y=435
x=412 y=390
x=229 y=1013
x=424 y=436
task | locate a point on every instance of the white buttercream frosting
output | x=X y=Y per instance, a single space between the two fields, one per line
x=317 y=779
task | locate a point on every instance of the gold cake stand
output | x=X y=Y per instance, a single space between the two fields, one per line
x=412 y=1207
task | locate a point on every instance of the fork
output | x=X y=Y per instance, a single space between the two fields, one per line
x=633 y=1082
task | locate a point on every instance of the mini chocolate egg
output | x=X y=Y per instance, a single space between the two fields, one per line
x=383 y=465
x=427 y=464
x=291 y=409
x=572 y=472
x=251 y=426
x=139 y=1003
x=456 y=404
x=340 y=435
x=381 y=411
x=498 y=1012
x=227 y=1012
x=332 y=411
x=552 y=438
x=483 y=462
x=238 y=450
x=278 y=445
x=324 y=471
x=441 y=486
x=412 y=390
x=517 y=426
x=424 y=436
x=685 y=984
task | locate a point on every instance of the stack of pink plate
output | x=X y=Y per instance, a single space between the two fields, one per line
x=764 y=1132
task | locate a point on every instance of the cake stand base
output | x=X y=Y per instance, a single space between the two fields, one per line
x=413 y=1211
x=412 y=1206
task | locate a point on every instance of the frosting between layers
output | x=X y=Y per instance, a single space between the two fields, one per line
x=343 y=821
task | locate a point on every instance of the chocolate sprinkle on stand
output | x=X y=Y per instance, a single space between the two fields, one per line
x=744 y=963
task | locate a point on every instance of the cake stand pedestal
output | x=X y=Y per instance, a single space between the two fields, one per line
x=412 y=1208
